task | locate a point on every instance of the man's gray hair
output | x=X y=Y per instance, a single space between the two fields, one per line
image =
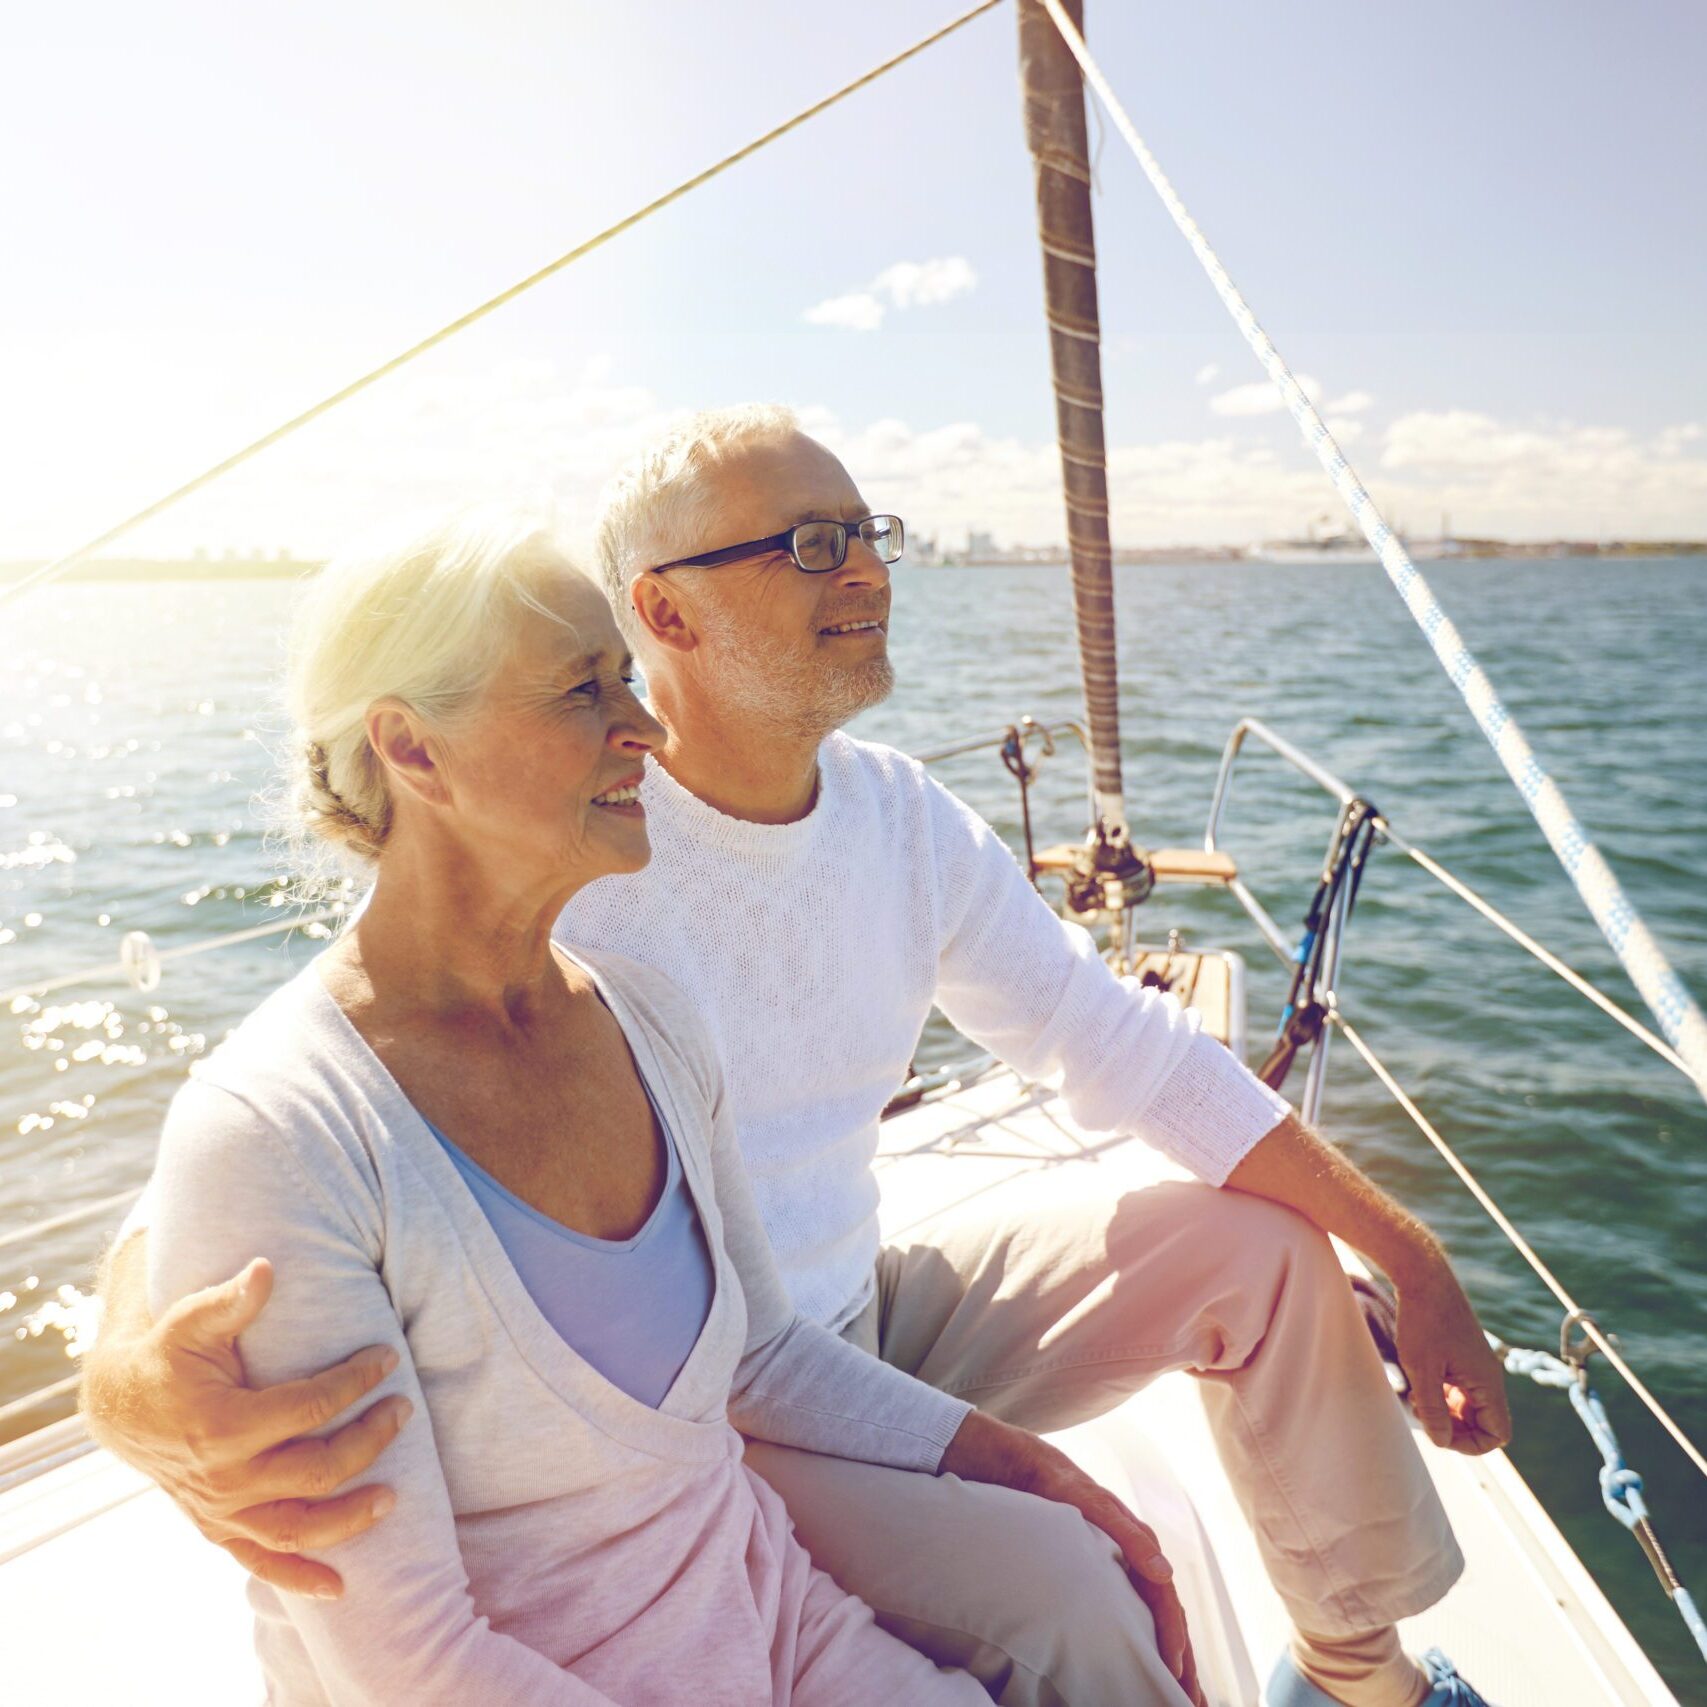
x=660 y=504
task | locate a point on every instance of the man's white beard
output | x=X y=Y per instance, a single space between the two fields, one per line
x=795 y=693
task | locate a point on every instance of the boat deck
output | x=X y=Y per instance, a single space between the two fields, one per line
x=108 y=1595
x=1526 y=1623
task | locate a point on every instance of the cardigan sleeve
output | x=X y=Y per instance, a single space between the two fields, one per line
x=1032 y=989
x=229 y=1186
x=798 y=1384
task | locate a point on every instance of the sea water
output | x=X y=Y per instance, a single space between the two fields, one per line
x=137 y=723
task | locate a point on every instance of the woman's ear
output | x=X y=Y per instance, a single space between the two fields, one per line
x=662 y=612
x=410 y=756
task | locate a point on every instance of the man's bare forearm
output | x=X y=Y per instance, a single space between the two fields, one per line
x=248 y=1466
x=122 y=1283
x=1292 y=1165
x=1457 y=1385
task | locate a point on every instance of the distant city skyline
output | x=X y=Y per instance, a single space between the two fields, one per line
x=1492 y=290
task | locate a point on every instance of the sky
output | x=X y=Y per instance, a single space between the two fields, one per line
x=1475 y=229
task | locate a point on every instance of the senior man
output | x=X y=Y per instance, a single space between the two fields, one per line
x=815 y=895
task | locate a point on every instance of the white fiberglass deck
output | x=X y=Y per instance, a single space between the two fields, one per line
x=108 y=1596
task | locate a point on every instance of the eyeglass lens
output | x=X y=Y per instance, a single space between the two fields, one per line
x=820 y=546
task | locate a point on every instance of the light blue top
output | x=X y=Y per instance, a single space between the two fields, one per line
x=632 y=1308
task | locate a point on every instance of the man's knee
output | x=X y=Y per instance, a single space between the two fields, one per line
x=1220 y=1229
x=1063 y=1609
x=1021 y=1591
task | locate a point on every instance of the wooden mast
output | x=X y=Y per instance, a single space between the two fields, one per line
x=1054 y=99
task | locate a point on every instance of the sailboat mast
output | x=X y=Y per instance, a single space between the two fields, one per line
x=1053 y=93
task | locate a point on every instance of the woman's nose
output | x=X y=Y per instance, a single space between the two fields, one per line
x=639 y=729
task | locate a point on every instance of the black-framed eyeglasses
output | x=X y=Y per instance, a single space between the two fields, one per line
x=816 y=546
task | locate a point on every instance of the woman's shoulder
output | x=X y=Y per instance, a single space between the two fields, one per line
x=661 y=1008
x=286 y=1042
x=290 y=1078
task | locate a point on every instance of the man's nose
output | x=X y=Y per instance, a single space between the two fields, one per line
x=862 y=567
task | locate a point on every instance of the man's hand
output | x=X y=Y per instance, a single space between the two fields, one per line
x=169 y=1398
x=1457 y=1383
x=984 y=1450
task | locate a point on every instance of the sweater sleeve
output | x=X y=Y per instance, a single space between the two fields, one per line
x=228 y=1186
x=798 y=1384
x=1031 y=988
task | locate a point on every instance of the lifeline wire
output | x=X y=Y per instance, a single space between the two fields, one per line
x=327 y=404
x=1590 y=1328
x=1661 y=988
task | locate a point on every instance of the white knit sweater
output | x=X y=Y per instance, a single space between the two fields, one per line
x=813 y=951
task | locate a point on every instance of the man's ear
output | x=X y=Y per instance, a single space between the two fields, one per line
x=663 y=614
x=410 y=757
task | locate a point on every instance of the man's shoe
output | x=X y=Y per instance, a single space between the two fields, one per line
x=1288 y=1687
x=1450 y=1690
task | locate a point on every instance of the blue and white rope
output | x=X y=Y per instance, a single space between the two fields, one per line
x=1631 y=940
x=1621 y=1488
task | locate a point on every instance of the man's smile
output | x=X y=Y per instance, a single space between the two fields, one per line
x=864 y=625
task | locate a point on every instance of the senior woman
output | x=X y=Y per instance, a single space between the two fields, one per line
x=514 y=1168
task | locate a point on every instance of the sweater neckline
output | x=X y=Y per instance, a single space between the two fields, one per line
x=687 y=1422
x=706 y=826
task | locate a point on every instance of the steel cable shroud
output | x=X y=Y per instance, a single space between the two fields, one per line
x=463 y=321
x=1629 y=937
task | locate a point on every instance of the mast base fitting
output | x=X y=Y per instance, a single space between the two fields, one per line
x=1110 y=874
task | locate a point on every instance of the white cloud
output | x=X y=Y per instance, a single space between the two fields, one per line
x=918 y=284
x=858 y=311
x=1553 y=478
x=953 y=478
x=1208 y=373
x=1353 y=403
x=906 y=284
x=1494 y=478
x=1262 y=397
x=461 y=429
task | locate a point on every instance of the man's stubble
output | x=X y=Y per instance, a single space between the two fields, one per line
x=793 y=693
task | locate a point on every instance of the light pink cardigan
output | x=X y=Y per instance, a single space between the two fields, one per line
x=554 y=1541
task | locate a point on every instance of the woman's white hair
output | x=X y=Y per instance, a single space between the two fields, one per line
x=659 y=505
x=426 y=619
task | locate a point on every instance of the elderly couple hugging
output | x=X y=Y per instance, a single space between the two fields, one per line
x=565 y=1144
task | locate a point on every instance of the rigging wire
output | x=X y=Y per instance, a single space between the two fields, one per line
x=1643 y=958
x=87 y=1212
x=1619 y=921
x=1539 y=951
x=1576 y=1314
x=49 y=570
x=114 y=969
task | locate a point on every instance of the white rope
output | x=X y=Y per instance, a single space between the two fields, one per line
x=208 y=475
x=1661 y=988
x=41 y=1396
x=119 y=1200
x=112 y=970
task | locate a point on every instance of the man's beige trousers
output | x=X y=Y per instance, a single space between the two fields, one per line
x=1053 y=1313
